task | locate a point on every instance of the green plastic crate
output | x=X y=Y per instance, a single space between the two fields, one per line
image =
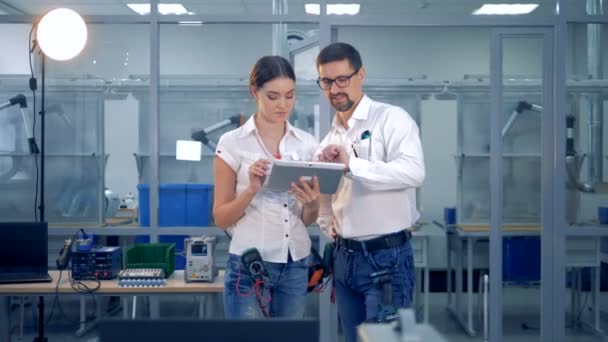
x=152 y=255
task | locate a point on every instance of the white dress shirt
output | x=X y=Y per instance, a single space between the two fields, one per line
x=272 y=222
x=378 y=195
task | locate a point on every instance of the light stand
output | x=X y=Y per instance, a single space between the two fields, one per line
x=42 y=135
x=41 y=337
x=61 y=35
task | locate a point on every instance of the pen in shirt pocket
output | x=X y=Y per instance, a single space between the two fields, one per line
x=367 y=135
x=354 y=150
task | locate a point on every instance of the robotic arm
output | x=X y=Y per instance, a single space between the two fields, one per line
x=202 y=135
x=572 y=158
x=521 y=107
x=22 y=102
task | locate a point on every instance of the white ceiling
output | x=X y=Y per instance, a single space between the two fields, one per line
x=225 y=7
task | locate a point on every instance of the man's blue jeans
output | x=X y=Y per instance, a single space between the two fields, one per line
x=287 y=290
x=357 y=296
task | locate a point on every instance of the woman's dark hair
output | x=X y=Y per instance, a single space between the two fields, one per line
x=268 y=68
x=338 y=52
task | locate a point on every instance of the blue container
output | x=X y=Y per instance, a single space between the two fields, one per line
x=171 y=206
x=142 y=239
x=602 y=215
x=521 y=259
x=144 y=204
x=199 y=204
x=179 y=204
x=449 y=216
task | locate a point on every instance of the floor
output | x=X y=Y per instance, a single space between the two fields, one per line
x=520 y=310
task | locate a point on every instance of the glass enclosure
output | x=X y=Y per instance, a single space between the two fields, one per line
x=216 y=89
x=523 y=66
x=586 y=141
x=521 y=153
x=586 y=159
x=82 y=96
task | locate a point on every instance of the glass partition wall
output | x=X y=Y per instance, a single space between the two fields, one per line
x=584 y=181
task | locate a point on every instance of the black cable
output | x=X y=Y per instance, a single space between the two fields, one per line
x=78 y=286
x=259 y=287
x=81 y=287
x=57 y=302
x=30 y=48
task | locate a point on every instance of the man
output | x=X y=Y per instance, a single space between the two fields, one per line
x=369 y=215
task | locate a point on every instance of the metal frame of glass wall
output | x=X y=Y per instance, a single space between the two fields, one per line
x=554 y=172
x=548 y=304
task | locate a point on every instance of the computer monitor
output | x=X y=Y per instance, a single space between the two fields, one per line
x=169 y=330
x=23 y=248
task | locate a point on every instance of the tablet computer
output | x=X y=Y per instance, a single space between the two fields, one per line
x=284 y=172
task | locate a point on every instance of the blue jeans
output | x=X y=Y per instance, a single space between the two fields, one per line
x=287 y=290
x=357 y=296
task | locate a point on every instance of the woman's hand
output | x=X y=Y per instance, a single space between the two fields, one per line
x=308 y=194
x=257 y=174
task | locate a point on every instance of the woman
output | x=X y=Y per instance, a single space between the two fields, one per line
x=273 y=222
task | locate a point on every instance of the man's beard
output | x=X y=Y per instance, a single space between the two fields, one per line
x=345 y=106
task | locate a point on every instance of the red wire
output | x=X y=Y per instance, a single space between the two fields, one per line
x=257 y=287
x=263 y=302
x=323 y=285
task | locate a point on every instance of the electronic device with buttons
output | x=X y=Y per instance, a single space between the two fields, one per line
x=200 y=259
x=101 y=263
x=142 y=277
x=254 y=265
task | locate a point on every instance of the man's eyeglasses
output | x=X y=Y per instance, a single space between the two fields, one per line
x=341 y=81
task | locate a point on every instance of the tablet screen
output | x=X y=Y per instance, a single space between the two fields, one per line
x=283 y=173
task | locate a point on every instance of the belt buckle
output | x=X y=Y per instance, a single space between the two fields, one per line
x=347 y=246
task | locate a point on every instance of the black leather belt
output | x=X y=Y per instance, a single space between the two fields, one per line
x=382 y=242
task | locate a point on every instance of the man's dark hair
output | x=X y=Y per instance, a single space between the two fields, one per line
x=340 y=51
x=268 y=68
